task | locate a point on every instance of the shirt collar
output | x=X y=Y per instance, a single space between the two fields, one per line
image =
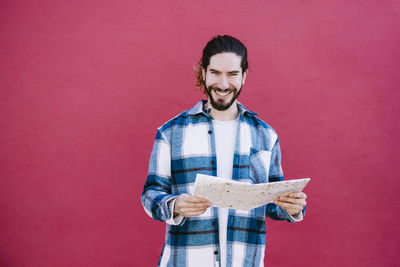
x=199 y=108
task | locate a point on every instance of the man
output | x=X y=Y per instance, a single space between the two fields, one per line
x=218 y=137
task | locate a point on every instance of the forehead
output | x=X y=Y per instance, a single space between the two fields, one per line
x=225 y=62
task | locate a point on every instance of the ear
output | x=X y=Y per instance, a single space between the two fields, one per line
x=244 y=76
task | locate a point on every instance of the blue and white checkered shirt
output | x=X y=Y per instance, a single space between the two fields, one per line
x=184 y=147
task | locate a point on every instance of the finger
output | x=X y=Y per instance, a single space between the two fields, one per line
x=185 y=204
x=300 y=204
x=193 y=213
x=194 y=199
x=297 y=201
x=289 y=207
x=186 y=200
x=287 y=199
x=285 y=194
x=298 y=195
x=186 y=210
x=292 y=211
x=193 y=207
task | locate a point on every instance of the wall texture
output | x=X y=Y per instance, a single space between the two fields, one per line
x=85 y=84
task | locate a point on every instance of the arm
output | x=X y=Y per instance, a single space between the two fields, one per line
x=156 y=193
x=288 y=207
x=157 y=200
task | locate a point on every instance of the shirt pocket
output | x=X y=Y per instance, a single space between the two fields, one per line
x=259 y=165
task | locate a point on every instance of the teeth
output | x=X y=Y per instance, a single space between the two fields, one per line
x=222 y=93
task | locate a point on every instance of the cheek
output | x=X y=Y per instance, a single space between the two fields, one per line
x=237 y=84
x=211 y=81
x=236 y=81
x=210 y=84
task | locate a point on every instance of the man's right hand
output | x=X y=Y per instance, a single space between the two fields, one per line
x=188 y=206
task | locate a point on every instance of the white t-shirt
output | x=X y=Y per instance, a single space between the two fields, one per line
x=225 y=137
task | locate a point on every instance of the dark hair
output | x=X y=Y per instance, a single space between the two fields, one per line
x=217 y=45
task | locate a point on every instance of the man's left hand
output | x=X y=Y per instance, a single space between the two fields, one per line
x=292 y=202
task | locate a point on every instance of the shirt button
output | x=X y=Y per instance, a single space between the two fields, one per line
x=215 y=252
x=213 y=162
x=209 y=131
x=214 y=223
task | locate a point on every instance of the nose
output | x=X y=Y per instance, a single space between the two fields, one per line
x=223 y=83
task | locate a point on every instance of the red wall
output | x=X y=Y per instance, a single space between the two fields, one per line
x=85 y=84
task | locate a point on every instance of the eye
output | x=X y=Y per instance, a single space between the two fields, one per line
x=233 y=74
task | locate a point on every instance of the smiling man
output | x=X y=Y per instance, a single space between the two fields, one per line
x=218 y=137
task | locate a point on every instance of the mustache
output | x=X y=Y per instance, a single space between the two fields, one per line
x=220 y=90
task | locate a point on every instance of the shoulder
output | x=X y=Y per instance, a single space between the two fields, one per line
x=260 y=125
x=250 y=117
x=180 y=119
x=261 y=131
x=175 y=126
x=193 y=114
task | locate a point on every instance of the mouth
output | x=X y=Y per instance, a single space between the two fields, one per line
x=222 y=93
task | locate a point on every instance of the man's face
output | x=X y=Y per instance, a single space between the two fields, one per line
x=223 y=80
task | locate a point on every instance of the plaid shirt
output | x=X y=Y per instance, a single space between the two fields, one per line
x=184 y=147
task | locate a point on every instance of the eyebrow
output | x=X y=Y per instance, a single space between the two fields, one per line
x=230 y=72
x=234 y=72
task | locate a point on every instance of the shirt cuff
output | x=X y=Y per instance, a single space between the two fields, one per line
x=296 y=217
x=173 y=220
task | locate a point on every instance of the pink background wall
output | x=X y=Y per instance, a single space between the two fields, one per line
x=85 y=84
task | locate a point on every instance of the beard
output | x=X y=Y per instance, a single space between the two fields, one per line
x=220 y=104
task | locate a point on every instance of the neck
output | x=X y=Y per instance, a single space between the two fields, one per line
x=224 y=115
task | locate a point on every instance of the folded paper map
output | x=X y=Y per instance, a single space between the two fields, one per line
x=226 y=193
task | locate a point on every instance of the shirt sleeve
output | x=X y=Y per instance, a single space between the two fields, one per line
x=275 y=175
x=157 y=189
x=173 y=220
